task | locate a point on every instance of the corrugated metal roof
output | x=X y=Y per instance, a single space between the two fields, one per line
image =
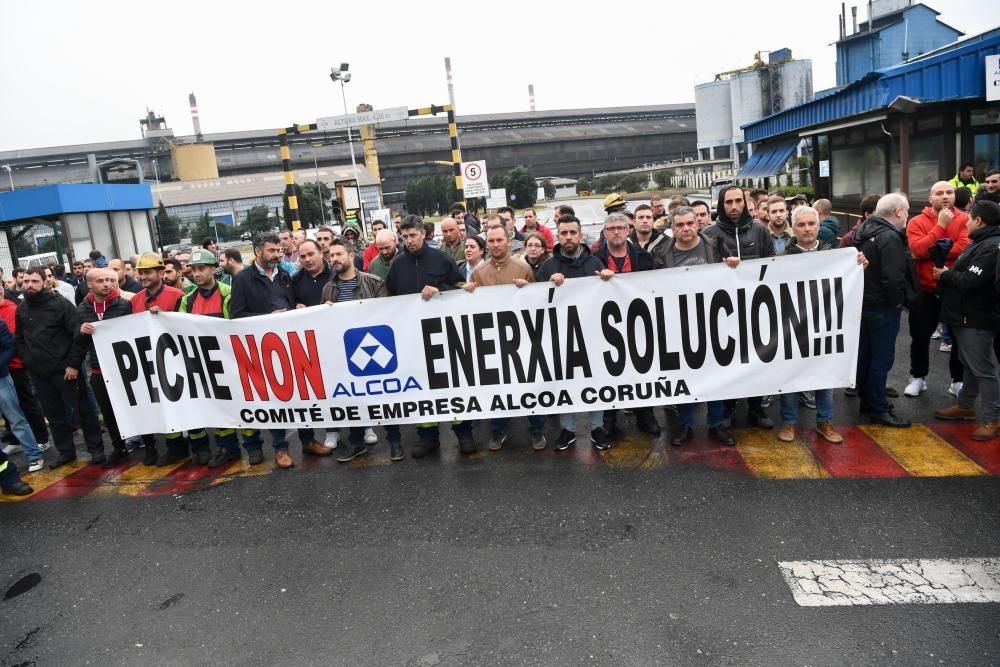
x=952 y=74
x=769 y=159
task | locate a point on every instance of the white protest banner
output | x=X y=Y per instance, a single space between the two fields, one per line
x=669 y=336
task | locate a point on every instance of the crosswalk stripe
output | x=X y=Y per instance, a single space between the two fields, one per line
x=45 y=478
x=958 y=434
x=921 y=452
x=82 y=482
x=766 y=456
x=857 y=457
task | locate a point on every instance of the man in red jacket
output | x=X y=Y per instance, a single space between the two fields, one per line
x=938 y=221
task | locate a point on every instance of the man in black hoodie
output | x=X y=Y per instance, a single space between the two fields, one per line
x=890 y=284
x=572 y=259
x=425 y=271
x=46 y=325
x=970 y=306
x=738 y=236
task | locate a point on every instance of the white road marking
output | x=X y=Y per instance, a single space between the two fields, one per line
x=824 y=583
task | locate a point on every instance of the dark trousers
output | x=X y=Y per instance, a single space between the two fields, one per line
x=924 y=319
x=104 y=403
x=29 y=404
x=876 y=354
x=55 y=394
x=8 y=471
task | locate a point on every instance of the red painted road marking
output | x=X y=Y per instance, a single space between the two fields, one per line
x=701 y=451
x=83 y=481
x=187 y=478
x=958 y=434
x=857 y=457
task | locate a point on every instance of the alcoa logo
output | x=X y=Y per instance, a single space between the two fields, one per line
x=370 y=350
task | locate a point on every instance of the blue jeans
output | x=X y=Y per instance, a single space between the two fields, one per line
x=16 y=421
x=824 y=406
x=278 y=439
x=536 y=424
x=876 y=354
x=716 y=414
x=567 y=420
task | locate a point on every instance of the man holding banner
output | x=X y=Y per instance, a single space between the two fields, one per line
x=572 y=259
x=426 y=271
x=502 y=269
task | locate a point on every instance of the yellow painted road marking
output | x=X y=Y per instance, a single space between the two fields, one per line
x=243 y=469
x=628 y=452
x=766 y=456
x=135 y=480
x=656 y=459
x=45 y=478
x=921 y=452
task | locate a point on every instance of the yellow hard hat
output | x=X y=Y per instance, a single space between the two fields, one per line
x=613 y=201
x=150 y=260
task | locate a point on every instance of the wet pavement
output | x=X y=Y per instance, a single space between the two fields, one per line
x=641 y=555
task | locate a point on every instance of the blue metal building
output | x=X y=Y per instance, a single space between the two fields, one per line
x=115 y=219
x=901 y=128
x=891 y=39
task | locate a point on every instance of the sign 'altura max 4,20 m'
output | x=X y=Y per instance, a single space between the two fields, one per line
x=670 y=336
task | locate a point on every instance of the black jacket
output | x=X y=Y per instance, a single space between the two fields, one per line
x=251 y=295
x=132 y=285
x=581 y=266
x=8 y=349
x=639 y=258
x=969 y=299
x=794 y=249
x=891 y=278
x=744 y=238
x=83 y=343
x=411 y=272
x=45 y=326
x=655 y=239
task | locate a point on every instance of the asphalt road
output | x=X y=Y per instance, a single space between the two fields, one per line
x=507 y=558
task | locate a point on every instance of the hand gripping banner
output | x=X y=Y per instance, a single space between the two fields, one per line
x=681 y=335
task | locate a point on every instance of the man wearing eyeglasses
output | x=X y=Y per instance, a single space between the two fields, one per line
x=621 y=255
x=690 y=247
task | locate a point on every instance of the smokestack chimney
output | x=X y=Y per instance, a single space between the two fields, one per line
x=194 y=117
x=854 y=19
x=531 y=96
x=843 y=20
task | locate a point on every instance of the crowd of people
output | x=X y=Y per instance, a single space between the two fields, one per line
x=941 y=267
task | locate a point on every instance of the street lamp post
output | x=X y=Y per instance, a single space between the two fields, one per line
x=343 y=76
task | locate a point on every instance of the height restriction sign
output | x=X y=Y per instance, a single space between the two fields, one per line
x=474 y=180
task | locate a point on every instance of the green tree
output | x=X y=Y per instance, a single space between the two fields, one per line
x=521 y=187
x=257 y=220
x=607 y=183
x=663 y=178
x=202 y=229
x=550 y=190
x=634 y=182
x=314 y=195
x=169 y=226
x=46 y=244
x=583 y=185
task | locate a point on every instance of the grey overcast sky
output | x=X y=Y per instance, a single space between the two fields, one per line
x=77 y=72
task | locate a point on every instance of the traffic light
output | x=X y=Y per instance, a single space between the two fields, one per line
x=336 y=211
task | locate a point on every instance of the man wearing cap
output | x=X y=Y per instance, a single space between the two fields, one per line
x=103 y=302
x=211 y=299
x=156 y=296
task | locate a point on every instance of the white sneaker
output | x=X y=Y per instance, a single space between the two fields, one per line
x=332 y=439
x=36 y=465
x=370 y=437
x=11 y=449
x=916 y=387
x=955 y=389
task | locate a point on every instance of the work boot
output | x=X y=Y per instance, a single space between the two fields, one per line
x=149 y=454
x=255 y=457
x=986 y=431
x=826 y=430
x=62 y=460
x=787 y=432
x=956 y=413
x=202 y=457
x=683 y=435
x=171 y=456
x=396 y=452
x=18 y=488
x=760 y=419
x=722 y=436
x=646 y=422
x=222 y=457
x=466 y=445
x=425 y=446
x=117 y=455
x=890 y=419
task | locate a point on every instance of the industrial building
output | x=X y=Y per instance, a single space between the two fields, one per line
x=738 y=97
x=898 y=129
